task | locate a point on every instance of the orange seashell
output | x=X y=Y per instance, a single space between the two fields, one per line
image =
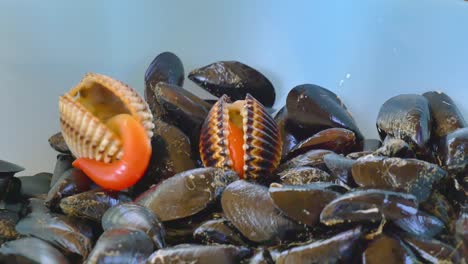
x=261 y=142
x=85 y=110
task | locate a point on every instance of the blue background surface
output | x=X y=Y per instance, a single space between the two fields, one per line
x=365 y=51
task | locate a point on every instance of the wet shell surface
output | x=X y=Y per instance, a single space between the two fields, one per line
x=261 y=139
x=86 y=108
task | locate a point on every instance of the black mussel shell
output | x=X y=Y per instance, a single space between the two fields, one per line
x=8 y=220
x=312 y=108
x=338 y=140
x=234 y=79
x=71 y=237
x=183 y=229
x=121 y=245
x=303 y=203
x=371 y=144
x=394 y=147
x=251 y=210
x=58 y=143
x=188 y=253
x=336 y=249
x=304 y=175
x=166 y=67
x=92 y=204
x=420 y=224
x=453 y=150
x=37 y=185
x=369 y=206
x=218 y=231
x=312 y=158
x=432 y=250
x=439 y=206
x=340 y=167
x=386 y=249
x=172 y=153
x=30 y=250
x=71 y=182
x=179 y=107
x=289 y=141
x=9 y=169
x=63 y=163
x=406 y=175
x=406 y=117
x=446 y=117
x=186 y=193
x=130 y=215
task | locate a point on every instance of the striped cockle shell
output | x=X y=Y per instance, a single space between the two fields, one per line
x=262 y=142
x=85 y=109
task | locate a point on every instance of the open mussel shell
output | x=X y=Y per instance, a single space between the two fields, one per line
x=407 y=175
x=30 y=250
x=121 y=245
x=453 y=150
x=190 y=253
x=336 y=249
x=171 y=154
x=234 y=79
x=251 y=210
x=338 y=140
x=432 y=250
x=386 y=249
x=445 y=114
x=218 y=231
x=130 y=215
x=369 y=206
x=303 y=203
x=406 y=117
x=261 y=140
x=166 y=67
x=58 y=143
x=186 y=193
x=312 y=108
x=92 y=204
x=8 y=168
x=86 y=108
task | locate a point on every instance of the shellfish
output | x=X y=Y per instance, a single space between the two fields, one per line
x=105 y=121
x=86 y=108
x=241 y=136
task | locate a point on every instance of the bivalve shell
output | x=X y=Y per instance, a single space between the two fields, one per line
x=261 y=140
x=86 y=108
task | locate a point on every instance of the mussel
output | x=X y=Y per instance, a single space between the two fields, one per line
x=218 y=231
x=241 y=136
x=58 y=143
x=234 y=79
x=30 y=250
x=386 y=249
x=166 y=67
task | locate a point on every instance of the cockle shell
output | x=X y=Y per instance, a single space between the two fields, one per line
x=86 y=108
x=262 y=142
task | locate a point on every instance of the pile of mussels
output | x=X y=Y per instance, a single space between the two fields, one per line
x=334 y=196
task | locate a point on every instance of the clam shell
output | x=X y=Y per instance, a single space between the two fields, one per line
x=86 y=134
x=262 y=143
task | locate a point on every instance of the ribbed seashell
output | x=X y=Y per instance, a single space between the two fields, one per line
x=262 y=143
x=86 y=108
